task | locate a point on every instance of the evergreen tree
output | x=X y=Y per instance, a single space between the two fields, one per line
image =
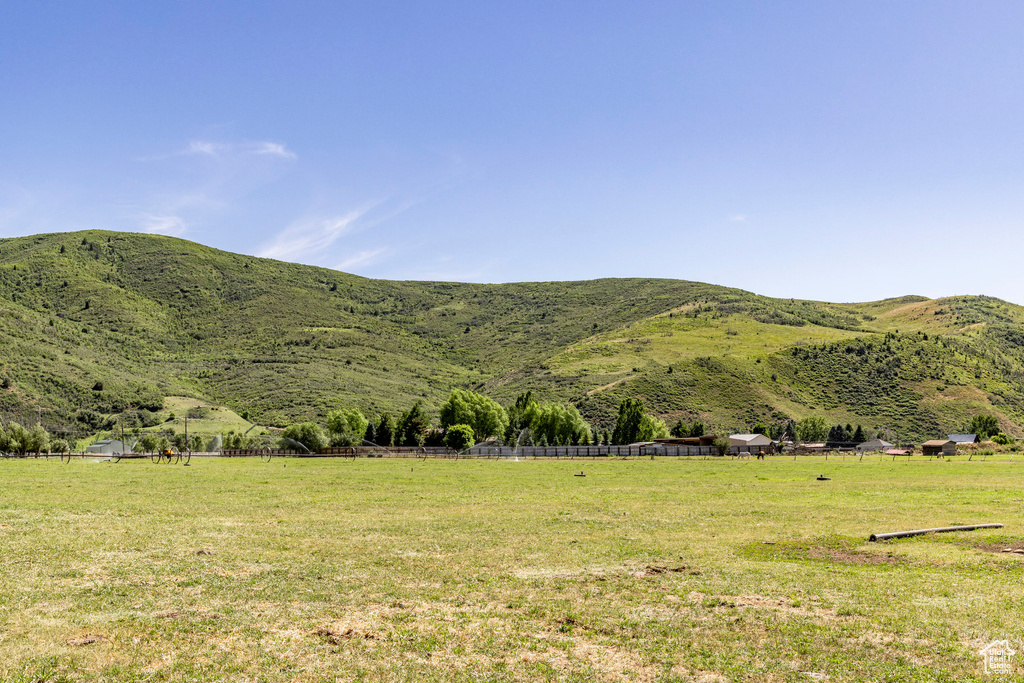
x=385 y=430
x=837 y=437
x=634 y=424
x=858 y=435
x=412 y=427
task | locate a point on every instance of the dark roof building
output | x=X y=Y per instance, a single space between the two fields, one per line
x=874 y=445
x=939 y=447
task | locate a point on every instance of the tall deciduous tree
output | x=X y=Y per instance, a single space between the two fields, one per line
x=484 y=415
x=984 y=426
x=459 y=437
x=309 y=434
x=346 y=427
x=148 y=443
x=560 y=425
x=19 y=439
x=521 y=416
x=811 y=429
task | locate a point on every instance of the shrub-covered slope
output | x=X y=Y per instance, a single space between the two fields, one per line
x=102 y=321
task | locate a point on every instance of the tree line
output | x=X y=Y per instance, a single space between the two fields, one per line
x=468 y=417
x=20 y=440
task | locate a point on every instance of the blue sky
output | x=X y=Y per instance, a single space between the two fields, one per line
x=828 y=150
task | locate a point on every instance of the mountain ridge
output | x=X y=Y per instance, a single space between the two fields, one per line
x=101 y=321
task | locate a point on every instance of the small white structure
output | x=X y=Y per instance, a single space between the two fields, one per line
x=107 y=447
x=744 y=441
x=875 y=445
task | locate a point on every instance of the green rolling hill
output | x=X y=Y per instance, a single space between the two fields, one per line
x=102 y=321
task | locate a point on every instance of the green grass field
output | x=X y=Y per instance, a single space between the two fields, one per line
x=667 y=570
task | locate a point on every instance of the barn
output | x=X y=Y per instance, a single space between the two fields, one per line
x=939 y=447
x=750 y=443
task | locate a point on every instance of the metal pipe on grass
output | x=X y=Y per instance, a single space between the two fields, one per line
x=936 y=530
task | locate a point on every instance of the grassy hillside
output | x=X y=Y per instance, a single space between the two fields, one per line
x=102 y=321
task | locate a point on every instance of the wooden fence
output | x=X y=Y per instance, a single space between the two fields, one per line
x=605 y=451
x=483 y=451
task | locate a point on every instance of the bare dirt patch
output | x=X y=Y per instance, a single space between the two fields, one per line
x=90 y=639
x=168 y=614
x=1015 y=548
x=851 y=556
x=658 y=570
x=340 y=632
x=831 y=549
x=760 y=602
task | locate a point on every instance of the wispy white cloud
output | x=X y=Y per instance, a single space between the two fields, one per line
x=221 y=150
x=309 y=237
x=164 y=225
x=738 y=218
x=361 y=258
x=204 y=147
x=273 y=149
